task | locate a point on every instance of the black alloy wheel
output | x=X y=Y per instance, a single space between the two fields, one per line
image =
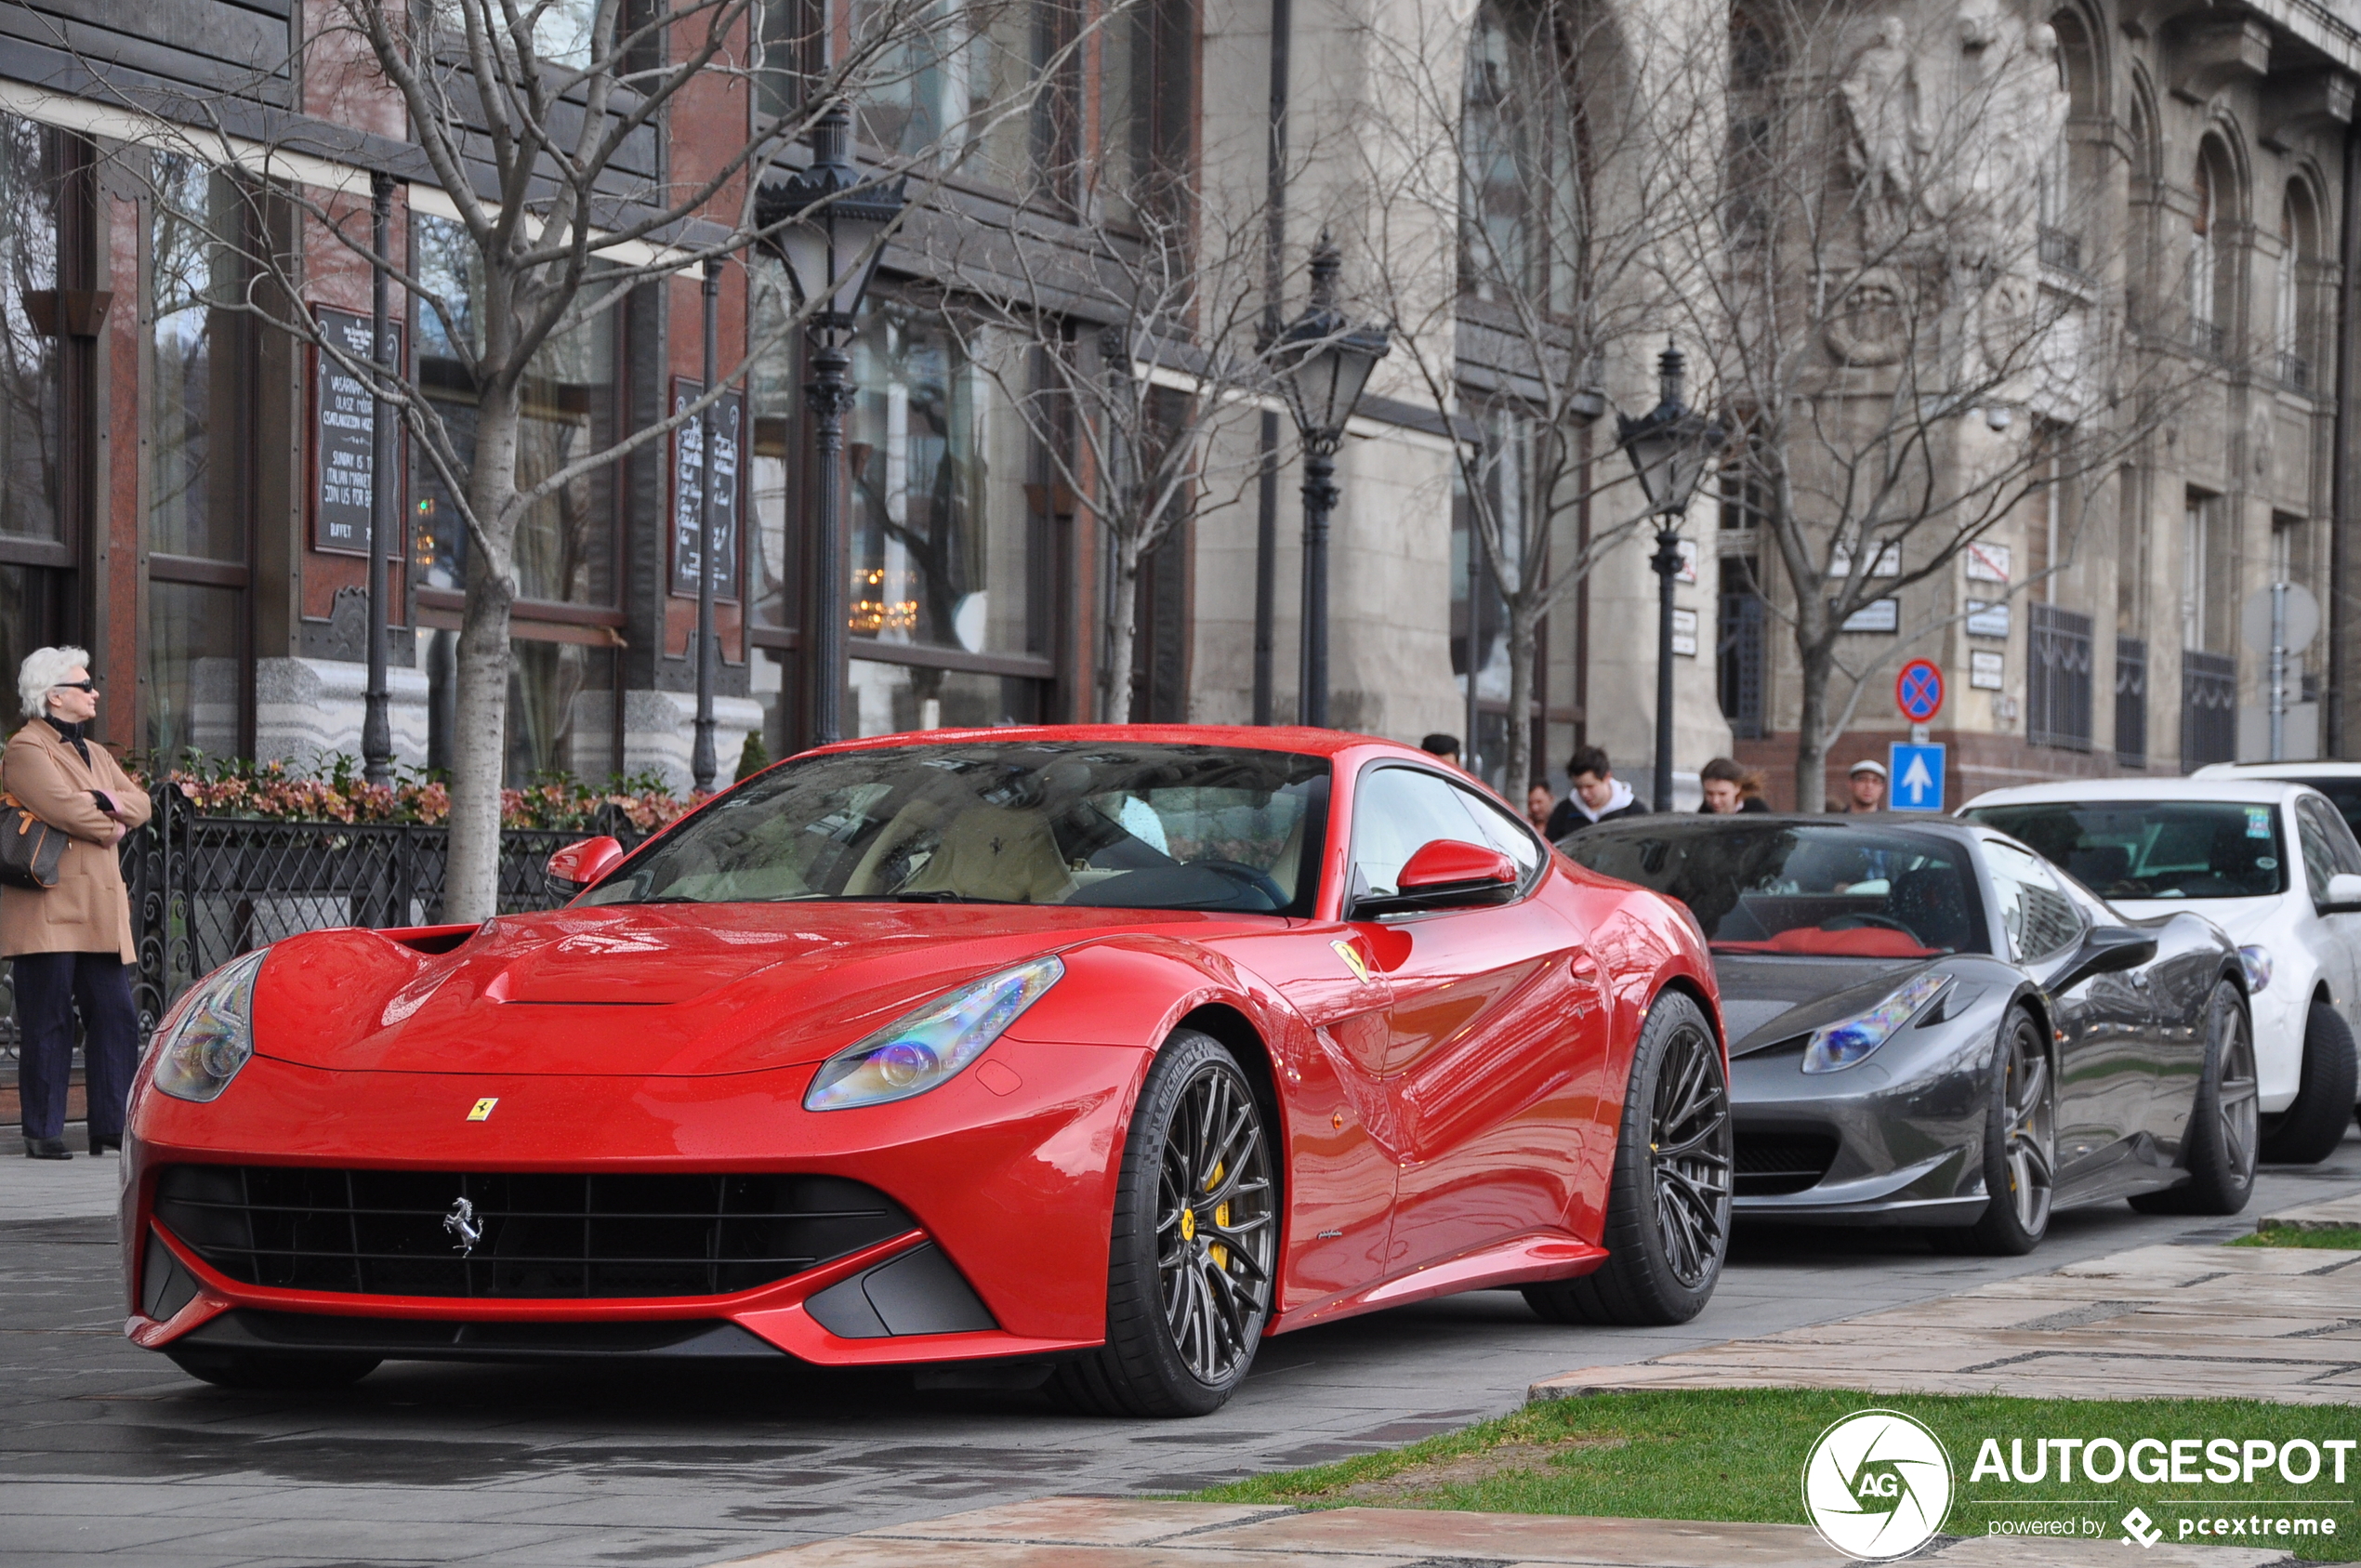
x=1194 y=1246
x=2020 y=1148
x=2223 y=1135
x=1667 y=1220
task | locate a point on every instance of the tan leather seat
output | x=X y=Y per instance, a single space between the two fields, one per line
x=993 y=852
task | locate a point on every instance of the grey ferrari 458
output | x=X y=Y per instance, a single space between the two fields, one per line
x=1930 y=1025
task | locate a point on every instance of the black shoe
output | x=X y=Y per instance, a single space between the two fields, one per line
x=100 y=1145
x=46 y=1148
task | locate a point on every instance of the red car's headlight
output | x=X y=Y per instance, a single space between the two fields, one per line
x=929 y=1046
x=203 y=1041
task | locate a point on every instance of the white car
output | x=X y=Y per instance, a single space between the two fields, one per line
x=2277 y=867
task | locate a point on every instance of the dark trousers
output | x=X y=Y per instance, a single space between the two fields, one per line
x=49 y=987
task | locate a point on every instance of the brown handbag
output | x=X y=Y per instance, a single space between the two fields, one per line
x=30 y=848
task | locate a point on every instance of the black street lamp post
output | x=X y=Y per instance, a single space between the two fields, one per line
x=823 y=222
x=703 y=765
x=1324 y=362
x=1669 y=446
x=377 y=724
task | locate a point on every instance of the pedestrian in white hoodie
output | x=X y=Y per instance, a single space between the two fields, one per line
x=1598 y=796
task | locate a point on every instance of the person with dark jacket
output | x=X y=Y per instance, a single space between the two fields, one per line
x=70 y=944
x=1729 y=789
x=1598 y=796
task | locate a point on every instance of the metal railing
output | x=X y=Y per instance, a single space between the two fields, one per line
x=2209 y=708
x=2131 y=702
x=205 y=890
x=2057 y=705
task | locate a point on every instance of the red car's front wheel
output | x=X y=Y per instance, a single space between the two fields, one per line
x=1195 y=1245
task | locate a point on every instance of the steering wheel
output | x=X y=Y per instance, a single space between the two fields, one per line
x=1246 y=875
x=1855 y=922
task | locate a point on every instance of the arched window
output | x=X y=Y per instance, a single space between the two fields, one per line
x=2211 y=264
x=2290 y=336
x=1520 y=218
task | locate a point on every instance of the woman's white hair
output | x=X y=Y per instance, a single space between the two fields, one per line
x=43 y=668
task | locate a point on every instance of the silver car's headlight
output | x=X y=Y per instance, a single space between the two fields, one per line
x=1838 y=1046
x=927 y=1047
x=205 y=1039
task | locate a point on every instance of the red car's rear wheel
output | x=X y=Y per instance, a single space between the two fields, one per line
x=1196 y=1237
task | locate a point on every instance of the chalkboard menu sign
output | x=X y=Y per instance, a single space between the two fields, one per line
x=687 y=495
x=342 y=432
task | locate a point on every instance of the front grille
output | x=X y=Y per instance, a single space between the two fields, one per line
x=1768 y=1164
x=388 y=1233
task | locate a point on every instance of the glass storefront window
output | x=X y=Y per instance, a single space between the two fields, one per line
x=194 y=674
x=195 y=362
x=565 y=542
x=941 y=538
x=561 y=710
x=776 y=394
x=29 y=449
x=883 y=699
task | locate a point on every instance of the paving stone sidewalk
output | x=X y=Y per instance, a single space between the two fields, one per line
x=2280 y=1324
x=1110 y=1533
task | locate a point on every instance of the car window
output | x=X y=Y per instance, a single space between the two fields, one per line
x=2152 y=849
x=2039 y=917
x=1823 y=889
x=1397 y=811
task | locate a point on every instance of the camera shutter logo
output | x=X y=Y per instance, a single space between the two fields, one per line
x=1877 y=1485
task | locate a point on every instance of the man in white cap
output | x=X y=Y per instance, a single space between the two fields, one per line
x=1866 y=786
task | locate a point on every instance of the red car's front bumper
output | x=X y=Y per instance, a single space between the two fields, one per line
x=1009 y=1172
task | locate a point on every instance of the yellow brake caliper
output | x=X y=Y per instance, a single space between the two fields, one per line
x=1217 y=1251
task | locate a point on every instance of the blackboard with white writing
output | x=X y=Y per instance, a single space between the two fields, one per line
x=688 y=475
x=342 y=433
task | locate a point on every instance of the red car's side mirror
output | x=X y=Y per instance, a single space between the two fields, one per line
x=577 y=865
x=1445 y=873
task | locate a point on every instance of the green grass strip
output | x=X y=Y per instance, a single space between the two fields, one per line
x=1738 y=1455
x=2342 y=1238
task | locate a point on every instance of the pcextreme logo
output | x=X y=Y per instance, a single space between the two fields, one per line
x=1877 y=1485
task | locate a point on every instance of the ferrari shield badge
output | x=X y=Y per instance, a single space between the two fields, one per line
x=482 y=1110
x=1352 y=961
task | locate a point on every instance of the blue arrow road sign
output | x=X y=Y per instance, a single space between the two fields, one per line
x=1917 y=778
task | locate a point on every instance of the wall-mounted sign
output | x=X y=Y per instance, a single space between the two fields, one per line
x=343 y=436
x=1685 y=633
x=1987 y=563
x=1878 y=615
x=1988 y=619
x=1888 y=565
x=688 y=478
x=1985 y=670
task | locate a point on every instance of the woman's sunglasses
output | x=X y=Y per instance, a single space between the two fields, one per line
x=75 y=686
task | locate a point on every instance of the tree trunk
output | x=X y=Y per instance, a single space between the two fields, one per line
x=1524 y=626
x=1818 y=662
x=1123 y=623
x=479 y=737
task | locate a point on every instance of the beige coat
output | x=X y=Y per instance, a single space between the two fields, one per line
x=87 y=911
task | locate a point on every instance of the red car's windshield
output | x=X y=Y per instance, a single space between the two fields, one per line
x=1100 y=824
x=1802 y=889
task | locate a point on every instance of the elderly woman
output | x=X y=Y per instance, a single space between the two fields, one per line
x=72 y=944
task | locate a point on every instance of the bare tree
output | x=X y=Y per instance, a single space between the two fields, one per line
x=534 y=120
x=1521 y=153
x=1135 y=352
x=1910 y=309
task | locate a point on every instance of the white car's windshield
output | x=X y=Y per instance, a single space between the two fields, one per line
x=1116 y=827
x=2152 y=849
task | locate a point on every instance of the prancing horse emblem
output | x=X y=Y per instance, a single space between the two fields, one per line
x=462 y=1222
